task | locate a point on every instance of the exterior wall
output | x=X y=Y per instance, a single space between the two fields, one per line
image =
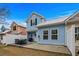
x=19 y=29
x=61 y=35
x=70 y=37
x=22 y=30
x=29 y=27
x=70 y=33
x=33 y=29
x=77 y=24
x=10 y=38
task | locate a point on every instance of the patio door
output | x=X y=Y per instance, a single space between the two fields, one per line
x=32 y=35
x=76 y=33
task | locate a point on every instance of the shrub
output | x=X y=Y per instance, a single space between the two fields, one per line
x=30 y=40
x=21 y=41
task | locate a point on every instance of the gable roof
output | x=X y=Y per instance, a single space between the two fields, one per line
x=19 y=24
x=60 y=20
x=34 y=13
x=53 y=22
x=72 y=15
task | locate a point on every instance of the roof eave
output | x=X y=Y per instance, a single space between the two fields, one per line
x=34 y=13
x=51 y=24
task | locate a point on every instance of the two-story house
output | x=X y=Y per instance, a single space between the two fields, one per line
x=61 y=31
x=33 y=20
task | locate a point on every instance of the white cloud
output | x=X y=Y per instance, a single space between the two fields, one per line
x=63 y=14
x=9 y=21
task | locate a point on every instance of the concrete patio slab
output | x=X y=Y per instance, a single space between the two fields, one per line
x=51 y=48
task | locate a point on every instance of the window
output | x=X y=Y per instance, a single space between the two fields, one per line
x=31 y=22
x=45 y=34
x=54 y=34
x=77 y=33
x=35 y=34
x=1 y=37
x=35 y=21
x=14 y=28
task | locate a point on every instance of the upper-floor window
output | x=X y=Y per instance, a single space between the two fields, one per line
x=31 y=22
x=54 y=34
x=14 y=28
x=45 y=34
x=35 y=21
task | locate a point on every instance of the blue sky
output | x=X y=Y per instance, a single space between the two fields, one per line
x=21 y=11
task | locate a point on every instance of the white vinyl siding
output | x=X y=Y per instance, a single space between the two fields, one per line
x=60 y=35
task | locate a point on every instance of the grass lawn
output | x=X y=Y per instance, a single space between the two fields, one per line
x=18 y=51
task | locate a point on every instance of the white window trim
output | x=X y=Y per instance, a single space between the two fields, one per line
x=77 y=32
x=48 y=34
x=51 y=34
x=77 y=27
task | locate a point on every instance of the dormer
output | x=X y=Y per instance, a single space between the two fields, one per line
x=34 y=19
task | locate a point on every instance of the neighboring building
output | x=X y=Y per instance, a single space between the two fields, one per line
x=18 y=29
x=15 y=31
x=4 y=28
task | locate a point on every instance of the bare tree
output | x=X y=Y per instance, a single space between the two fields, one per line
x=4 y=13
x=3 y=28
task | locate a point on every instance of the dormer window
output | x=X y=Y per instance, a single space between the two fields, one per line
x=14 y=28
x=35 y=21
x=31 y=22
